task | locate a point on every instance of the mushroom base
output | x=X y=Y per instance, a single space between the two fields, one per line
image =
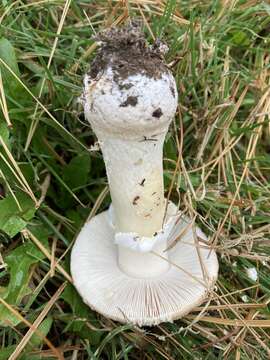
x=143 y=301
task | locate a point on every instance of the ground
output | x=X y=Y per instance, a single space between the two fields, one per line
x=216 y=160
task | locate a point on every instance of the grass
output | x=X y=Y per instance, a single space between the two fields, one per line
x=51 y=176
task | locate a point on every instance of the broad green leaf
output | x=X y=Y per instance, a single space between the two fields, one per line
x=81 y=313
x=28 y=172
x=19 y=262
x=12 y=219
x=44 y=328
x=6 y=352
x=13 y=225
x=4 y=133
x=78 y=307
x=13 y=88
x=7 y=55
x=75 y=174
x=75 y=217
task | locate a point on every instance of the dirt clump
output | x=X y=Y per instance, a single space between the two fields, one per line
x=131 y=101
x=125 y=50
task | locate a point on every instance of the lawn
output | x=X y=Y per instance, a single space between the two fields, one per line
x=52 y=176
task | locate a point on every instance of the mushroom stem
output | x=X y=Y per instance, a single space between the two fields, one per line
x=144 y=264
x=135 y=175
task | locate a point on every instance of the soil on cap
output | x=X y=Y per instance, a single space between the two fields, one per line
x=131 y=100
x=157 y=113
x=126 y=51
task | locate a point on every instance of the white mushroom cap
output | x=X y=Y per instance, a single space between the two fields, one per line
x=138 y=106
x=129 y=90
x=141 y=300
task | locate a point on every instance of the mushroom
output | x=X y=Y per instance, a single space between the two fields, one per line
x=122 y=263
